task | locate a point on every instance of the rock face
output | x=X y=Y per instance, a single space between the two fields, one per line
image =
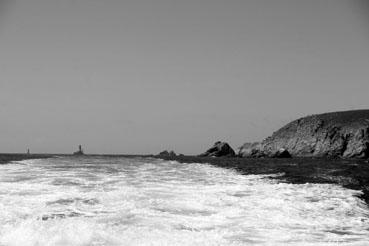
x=250 y=150
x=282 y=153
x=219 y=149
x=256 y=150
x=339 y=134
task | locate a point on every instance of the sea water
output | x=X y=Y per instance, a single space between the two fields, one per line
x=144 y=201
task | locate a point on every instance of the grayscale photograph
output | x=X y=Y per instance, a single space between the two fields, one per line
x=184 y=122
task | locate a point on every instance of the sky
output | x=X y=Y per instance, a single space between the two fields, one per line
x=141 y=76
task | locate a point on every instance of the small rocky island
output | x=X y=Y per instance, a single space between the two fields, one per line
x=167 y=153
x=219 y=149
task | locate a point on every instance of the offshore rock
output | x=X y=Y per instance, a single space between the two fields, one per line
x=338 y=134
x=219 y=149
x=167 y=153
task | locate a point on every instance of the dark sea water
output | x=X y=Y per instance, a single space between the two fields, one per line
x=122 y=201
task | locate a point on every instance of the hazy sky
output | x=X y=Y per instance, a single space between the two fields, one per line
x=140 y=76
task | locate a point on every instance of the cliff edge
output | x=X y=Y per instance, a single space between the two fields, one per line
x=338 y=134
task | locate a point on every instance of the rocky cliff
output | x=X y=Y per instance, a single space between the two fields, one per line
x=339 y=134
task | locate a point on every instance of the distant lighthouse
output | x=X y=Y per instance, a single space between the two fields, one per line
x=80 y=151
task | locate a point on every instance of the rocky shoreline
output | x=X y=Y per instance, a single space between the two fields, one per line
x=322 y=148
x=349 y=173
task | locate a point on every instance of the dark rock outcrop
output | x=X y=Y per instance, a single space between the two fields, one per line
x=219 y=149
x=167 y=153
x=339 y=134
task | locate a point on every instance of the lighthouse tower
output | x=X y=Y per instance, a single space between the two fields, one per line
x=80 y=151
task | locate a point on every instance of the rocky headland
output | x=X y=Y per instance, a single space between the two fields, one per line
x=322 y=148
x=338 y=134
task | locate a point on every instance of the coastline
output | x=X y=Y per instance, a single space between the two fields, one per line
x=6 y=157
x=349 y=173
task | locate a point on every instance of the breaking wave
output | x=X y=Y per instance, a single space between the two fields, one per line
x=143 y=201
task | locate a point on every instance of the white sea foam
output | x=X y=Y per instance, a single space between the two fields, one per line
x=118 y=201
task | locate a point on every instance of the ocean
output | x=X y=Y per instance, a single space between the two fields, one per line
x=146 y=201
